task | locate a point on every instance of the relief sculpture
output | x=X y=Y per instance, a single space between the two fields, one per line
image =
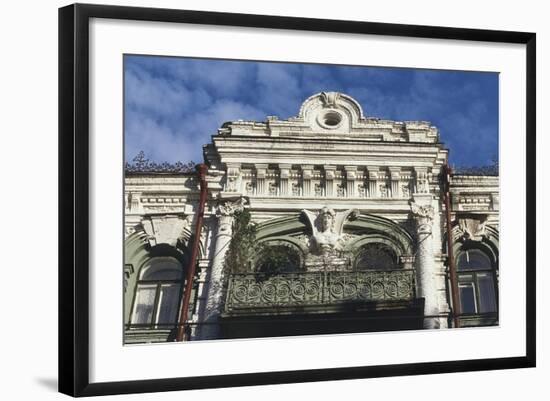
x=327 y=239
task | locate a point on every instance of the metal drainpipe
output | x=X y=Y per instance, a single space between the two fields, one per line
x=450 y=256
x=181 y=335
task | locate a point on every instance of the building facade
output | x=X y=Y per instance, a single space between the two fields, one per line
x=327 y=222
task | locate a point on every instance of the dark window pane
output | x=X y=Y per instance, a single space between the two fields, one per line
x=168 y=303
x=376 y=257
x=162 y=269
x=279 y=259
x=487 y=299
x=473 y=259
x=143 y=308
x=467 y=298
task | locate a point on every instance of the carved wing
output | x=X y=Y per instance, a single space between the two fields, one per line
x=311 y=217
x=341 y=218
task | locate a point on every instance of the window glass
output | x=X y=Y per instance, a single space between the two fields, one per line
x=473 y=259
x=477 y=280
x=158 y=293
x=162 y=269
x=376 y=257
x=168 y=303
x=487 y=299
x=467 y=298
x=144 y=304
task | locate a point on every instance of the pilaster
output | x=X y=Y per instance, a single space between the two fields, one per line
x=307 y=175
x=373 y=181
x=330 y=174
x=261 y=170
x=284 y=174
x=351 y=176
x=395 y=180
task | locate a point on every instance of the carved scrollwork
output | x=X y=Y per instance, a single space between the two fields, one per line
x=290 y=289
x=472 y=228
x=423 y=215
x=330 y=99
x=230 y=207
x=140 y=164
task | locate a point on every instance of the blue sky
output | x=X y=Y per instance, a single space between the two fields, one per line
x=174 y=105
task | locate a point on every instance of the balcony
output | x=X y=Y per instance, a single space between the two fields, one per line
x=255 y=291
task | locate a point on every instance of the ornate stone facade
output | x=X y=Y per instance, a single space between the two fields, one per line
x=356 y=201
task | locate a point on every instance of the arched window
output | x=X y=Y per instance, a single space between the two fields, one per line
x=376 y=256
x=476 y=282
x=278 y=259
x=158 y=293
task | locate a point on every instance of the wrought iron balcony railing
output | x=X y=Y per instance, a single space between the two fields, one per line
x=256 y=290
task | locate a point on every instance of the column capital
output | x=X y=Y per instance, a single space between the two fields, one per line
x=330 y=172
x=395 y=173
x=373 y=172
x=229 y=207
x=423 y=214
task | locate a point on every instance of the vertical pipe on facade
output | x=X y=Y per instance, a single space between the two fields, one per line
x=201 y=169
x=450 y=255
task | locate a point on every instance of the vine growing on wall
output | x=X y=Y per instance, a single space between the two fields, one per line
x=244 y=251
x=242 y=246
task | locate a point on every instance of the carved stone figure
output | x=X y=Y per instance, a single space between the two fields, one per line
x=327 y=227
x=249 y=188
x=330 y=99
x=295 y=190
x=318 y=191
x=472 y=228
x=383 y=191
x=272 y=188
x=406 y=191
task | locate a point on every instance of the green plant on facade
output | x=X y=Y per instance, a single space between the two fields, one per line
x=277 y=259
x=246 y=255
x=242 y=247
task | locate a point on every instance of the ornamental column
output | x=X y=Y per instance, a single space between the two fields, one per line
x=423 y=213
x=225 y=213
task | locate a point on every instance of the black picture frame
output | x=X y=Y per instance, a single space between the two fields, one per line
x=74 y=198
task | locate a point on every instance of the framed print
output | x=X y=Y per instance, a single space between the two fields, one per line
x=278 y=199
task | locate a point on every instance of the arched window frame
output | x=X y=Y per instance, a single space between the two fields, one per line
x=290 y=246
x=158 y=287
x=472 y=278
x=381 y=242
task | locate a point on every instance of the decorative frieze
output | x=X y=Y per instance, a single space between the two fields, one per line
x=318 y=181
